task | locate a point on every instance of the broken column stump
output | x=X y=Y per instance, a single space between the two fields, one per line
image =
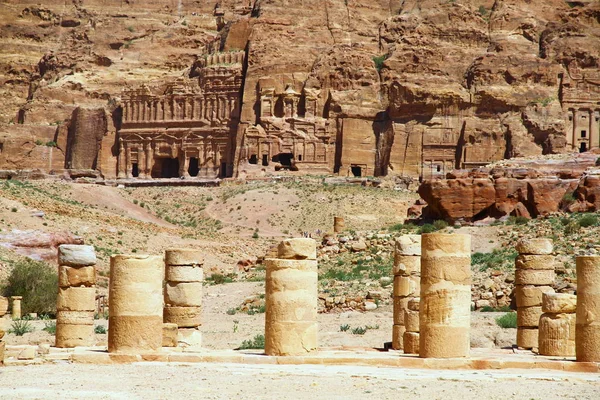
x=445 y=308
x=407 y=270
x=76 y=301
x=587 y=325
x=184 y=274
x=135 y=322
x=557 y=325
x=291 y=299
x=338 y=224
x=534 y=273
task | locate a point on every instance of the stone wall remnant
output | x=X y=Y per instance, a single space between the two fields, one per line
x=135 y=321
x=445 y=308
x=338 y=224
x=557 y=325
x=184 y=275
x=291 y=299
x=407 y=268
x=587 y=326
x=76 y=301
x=534 y=273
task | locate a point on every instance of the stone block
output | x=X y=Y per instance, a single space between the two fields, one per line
x=527 y=338
x=75 y=317
x=408 y=245
x=26 y=353
x=535 y=277
x=414 y=304
x=76 y=299
x=529 y=295
x=75 y=255
x=290 y=338
x=69 y=335
x=169 y=335
x=411 y=321
x=529 y=316
x=406 y=285
x=397 y=337
x=559 y=303
x=406 y=265
x=184 y=273
x=535 y=246
x=76 y=276
x=184 y=317
x=190 y=337
x=528 y=261
x=411 y=342
x=184 y=257
x=183 y=294
x=400 y=304
x=297 y=249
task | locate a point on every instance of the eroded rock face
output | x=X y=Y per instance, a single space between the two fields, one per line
x=538 y=189
x=248 y=87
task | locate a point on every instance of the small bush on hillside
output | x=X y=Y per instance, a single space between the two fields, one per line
x=100 y=329
x=36 y=281
x=257 y=343
x=508 y=320
x=440 y=224
x=588 y=220
x=427 y=228
x=378 y=60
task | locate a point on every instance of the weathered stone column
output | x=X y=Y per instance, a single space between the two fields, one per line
x=445 y=310
x=3 y=306
x=407 y=268
x=135 y=319
x=16 y=307
x=534 y=273
x=587 y=329
x=2 y=347
x=76 y=301
x=338 y=224
x=557 y=325
x=411 y=324
x=291 y=299
x=183 y=293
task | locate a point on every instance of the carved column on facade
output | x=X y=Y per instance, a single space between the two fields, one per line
x=141 y=162
x=149 y=158
x=121 y=160
x=127 y=161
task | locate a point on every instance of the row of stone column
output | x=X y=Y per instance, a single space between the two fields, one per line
x=534 y=273
x=407 y=268
x=76 y=301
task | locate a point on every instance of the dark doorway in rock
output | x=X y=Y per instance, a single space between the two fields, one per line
x=253 y=159
x=265 y=160
x=356 y=170
x=135 y=172
x=193 y=169
x=223 y=170
x=582 y=147
x=285 y=159
x=166 y=168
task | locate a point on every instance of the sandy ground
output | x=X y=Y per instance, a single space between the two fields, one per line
x=226 y=381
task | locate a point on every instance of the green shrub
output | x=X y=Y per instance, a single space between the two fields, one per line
x=378 y=60
x=257 y=343
x=495 y=309
x=231 y=311
x=588 y=220
x=50 y=327
x=36 y=281
x=344 y=328
x=20 y=327
x=508 y=320
x=568 y=199
x=427 y=228
x=101 y=329
x=219 y=279
x=572 y=227
x=256 y=309
x=359 y=331
x=440 y=224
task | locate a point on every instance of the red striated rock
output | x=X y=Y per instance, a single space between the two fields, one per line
x=547 y=194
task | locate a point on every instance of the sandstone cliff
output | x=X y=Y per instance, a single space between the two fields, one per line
x=363 y=87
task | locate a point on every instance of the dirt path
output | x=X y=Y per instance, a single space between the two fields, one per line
x=226 y=381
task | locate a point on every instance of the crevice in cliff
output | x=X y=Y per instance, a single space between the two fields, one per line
x=326 y=2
